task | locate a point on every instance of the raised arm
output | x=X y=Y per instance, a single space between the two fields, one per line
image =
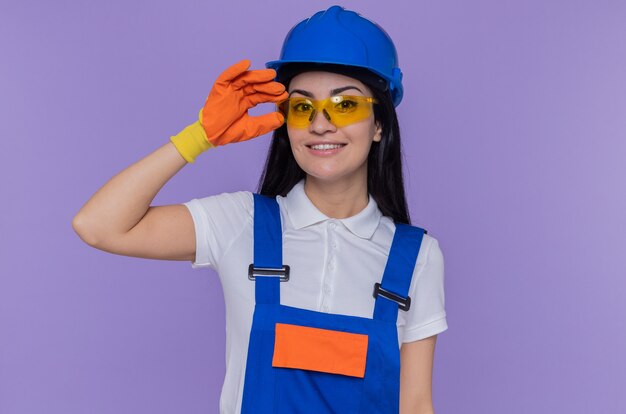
x=119 y=219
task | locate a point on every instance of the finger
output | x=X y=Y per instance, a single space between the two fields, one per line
x=272 y=88
x=257 y=98
x=262 y=124
x=233 y=71
x=254 y=76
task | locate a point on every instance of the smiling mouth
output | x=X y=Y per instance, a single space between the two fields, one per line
x=325 y=147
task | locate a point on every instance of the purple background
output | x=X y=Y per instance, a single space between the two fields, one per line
x=513 y=121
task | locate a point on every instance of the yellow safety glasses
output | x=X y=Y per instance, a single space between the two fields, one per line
x=340 y=110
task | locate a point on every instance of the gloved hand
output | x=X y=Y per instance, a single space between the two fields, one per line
x=224 y=118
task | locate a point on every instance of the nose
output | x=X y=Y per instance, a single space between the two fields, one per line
x=321 y=123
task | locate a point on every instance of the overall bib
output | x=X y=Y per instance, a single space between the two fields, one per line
x=303 y=361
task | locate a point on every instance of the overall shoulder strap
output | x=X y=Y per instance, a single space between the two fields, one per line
x=392 y=293
x=267 y=268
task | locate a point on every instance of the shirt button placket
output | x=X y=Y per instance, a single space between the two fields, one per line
x=327 y=289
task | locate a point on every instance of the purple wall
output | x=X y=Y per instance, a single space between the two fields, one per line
x=514 y=130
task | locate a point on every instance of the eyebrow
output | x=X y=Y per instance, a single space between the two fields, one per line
x=332 y=92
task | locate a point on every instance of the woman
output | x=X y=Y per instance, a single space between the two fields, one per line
x=333 y=300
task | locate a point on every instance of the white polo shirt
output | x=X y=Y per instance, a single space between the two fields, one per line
x=334 y=265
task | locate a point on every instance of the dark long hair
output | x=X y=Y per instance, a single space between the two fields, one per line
x=385 y=182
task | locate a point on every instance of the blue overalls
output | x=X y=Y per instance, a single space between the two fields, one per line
x=360 y=368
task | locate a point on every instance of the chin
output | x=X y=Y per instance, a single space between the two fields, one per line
x=330 y=175
x=330 y=171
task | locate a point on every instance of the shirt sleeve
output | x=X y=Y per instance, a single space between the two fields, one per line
x=218 y=221
x=427 y=316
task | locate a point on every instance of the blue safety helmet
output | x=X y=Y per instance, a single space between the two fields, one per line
x=343 y=37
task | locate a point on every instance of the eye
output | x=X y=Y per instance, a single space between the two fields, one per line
x=301 y=106
x=346 y=105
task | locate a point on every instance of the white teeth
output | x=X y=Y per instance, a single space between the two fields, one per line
x=326 y=146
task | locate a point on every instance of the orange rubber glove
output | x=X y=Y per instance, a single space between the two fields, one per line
x=224 y=118
x=225 y=113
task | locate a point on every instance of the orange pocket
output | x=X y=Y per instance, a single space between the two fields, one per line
x=318 y=349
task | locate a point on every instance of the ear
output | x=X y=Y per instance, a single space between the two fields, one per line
x=378 y=134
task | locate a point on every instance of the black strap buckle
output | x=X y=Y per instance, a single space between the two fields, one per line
x=253 y=272
x=403 y=303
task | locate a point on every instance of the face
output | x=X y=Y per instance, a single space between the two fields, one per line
x=350 y=160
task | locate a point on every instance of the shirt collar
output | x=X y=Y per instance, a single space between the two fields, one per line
x=302 y=213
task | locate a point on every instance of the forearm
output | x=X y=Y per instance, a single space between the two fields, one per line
x=416 y=410
x=121 y=203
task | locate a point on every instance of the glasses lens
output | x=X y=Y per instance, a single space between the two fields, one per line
x=344 y=104
x=299 y=112
x=346 y=110
x=340 y=110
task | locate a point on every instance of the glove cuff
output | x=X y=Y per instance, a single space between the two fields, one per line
x=191 y=141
